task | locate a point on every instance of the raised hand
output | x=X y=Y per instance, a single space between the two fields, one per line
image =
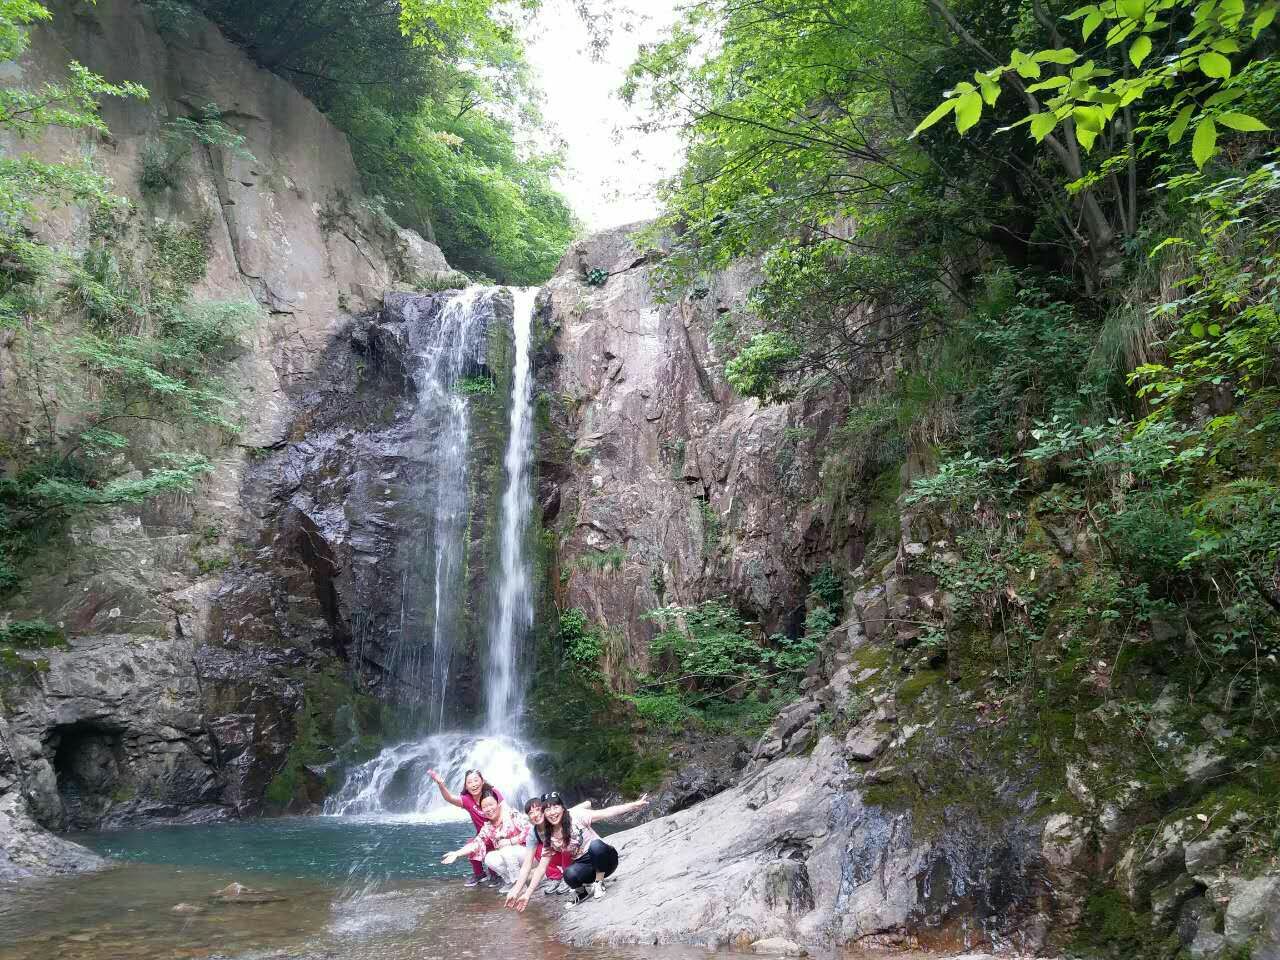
x=435 y=776
x=448 y=858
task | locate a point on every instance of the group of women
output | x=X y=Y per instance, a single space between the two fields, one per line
x=547 y=844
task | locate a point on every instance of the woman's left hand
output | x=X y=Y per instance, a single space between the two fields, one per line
x=450 y=857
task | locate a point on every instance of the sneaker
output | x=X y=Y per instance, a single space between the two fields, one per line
x=474 y=881
x=579 y=896
x=505 y=888
x=597 y=890
x=553 y=887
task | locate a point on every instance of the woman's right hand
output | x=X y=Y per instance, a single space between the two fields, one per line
x=435 y=776
x=512 y=897
x=522 y=903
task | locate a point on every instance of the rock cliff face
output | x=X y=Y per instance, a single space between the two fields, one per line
x=191 y=620
x=663 y=485
x=903 y=800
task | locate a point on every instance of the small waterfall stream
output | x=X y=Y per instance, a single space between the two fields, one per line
x=514 y=615
x=395 y=783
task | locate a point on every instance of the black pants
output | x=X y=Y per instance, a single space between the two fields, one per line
x=599 y=858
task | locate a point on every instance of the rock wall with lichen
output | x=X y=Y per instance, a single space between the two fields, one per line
x=958 y=770
x=203 y=646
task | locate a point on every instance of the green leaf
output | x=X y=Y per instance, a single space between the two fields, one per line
x=1081 y=12
x=1179 y=125
x=1133 y=9
x=968 y=111
x=1215 y=65
x=940 y=111
x=1042 y=124
x=1242 y=122
x=1088 y=118
x=1262 y=21
x=990 y=89
x=1140 y=50
x=1063 y=56
x=1205 y=142
x=1053 y=83
x=1214 y=329
x=1091 y=23
x=1197 y=329
x=1224 y=97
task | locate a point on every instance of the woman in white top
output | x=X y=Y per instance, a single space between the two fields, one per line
x=571 y=833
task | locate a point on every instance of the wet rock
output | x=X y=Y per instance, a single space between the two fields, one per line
x=239 y=893
x=779 y=947
x=186 y=908
x=1252 y=910
x=28 y=851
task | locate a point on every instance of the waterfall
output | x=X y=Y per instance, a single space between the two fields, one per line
x=514 y=614
x=446 y=351
x=395 y=783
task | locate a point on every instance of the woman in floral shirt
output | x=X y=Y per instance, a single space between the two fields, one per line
x=503 y=836
x=474 y=786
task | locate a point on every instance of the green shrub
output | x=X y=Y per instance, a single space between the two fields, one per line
x=164 y=159
x=479 y=386
x=581 y=643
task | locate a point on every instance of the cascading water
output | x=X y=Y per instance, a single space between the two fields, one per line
x=395 y=783
x=514 y=615
x=445 y=352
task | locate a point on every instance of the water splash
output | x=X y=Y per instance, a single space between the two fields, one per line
x=514 y=614
x=395 y=783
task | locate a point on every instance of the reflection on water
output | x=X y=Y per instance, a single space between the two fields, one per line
x=347 y=890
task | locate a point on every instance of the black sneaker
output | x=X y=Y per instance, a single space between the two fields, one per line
x=474 y=881
x=579 y=896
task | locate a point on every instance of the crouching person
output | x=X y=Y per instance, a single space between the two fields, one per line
x=569 y=833
x=504 y=835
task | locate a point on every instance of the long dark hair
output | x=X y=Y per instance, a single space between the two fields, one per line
x=566 y=825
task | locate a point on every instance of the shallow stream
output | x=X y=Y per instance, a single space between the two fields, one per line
x=336 y=888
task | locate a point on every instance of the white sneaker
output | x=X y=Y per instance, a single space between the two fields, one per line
x=597 y=890
x=505 y=888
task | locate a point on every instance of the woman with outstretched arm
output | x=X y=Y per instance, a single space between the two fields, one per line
x=570 y=832
x=473 y=789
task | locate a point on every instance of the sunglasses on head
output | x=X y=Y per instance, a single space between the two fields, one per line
x=552 y=799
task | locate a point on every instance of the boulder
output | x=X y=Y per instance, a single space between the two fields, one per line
x=1252 y=910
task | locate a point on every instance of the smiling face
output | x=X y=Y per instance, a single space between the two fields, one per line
x=554 y=813
x=536 y=815
x=490 y=808
x=474 y=783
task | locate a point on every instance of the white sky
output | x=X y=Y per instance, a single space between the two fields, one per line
x=612 y=170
